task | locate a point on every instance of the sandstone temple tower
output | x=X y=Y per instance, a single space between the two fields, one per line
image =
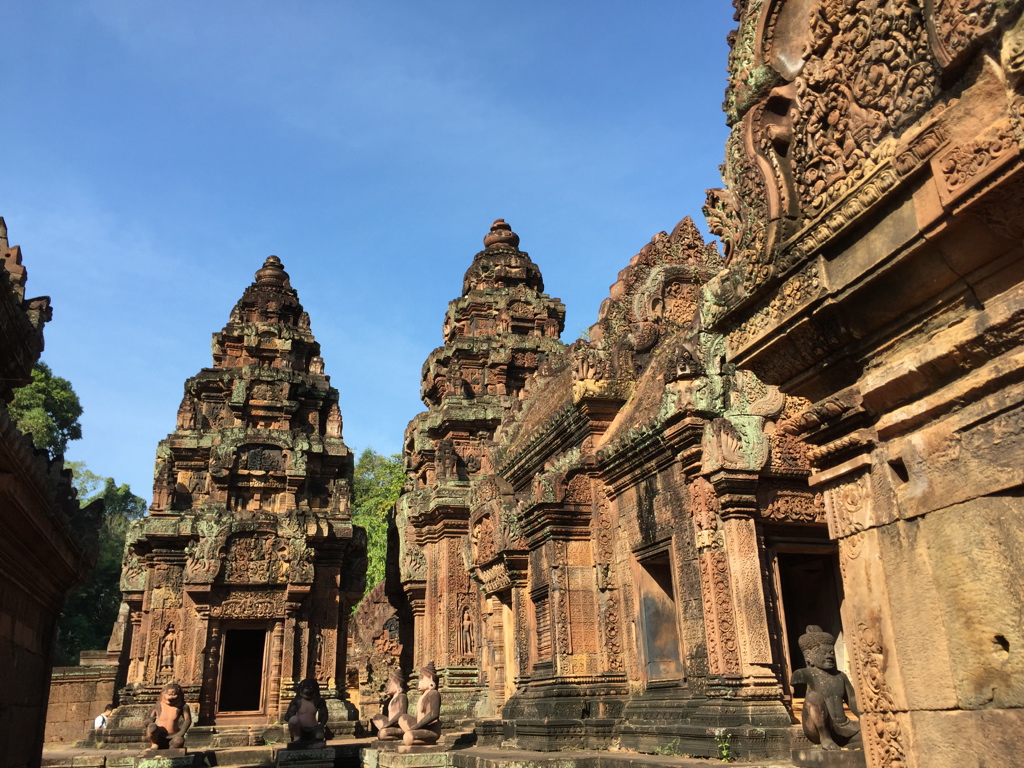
x=496 y=335
x=239 y=582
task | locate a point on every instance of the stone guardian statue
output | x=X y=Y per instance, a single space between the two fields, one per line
x=824 y=720
x=307 y=715
x=425 y=727
x=388 y=728
x=170 y=719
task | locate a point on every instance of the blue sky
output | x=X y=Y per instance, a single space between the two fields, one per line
x=156 y=153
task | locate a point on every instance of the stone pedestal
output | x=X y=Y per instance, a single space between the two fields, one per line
x=397 y=755
x=168 y=758
x=322 y=757
x=305 y=746
x=820 y=758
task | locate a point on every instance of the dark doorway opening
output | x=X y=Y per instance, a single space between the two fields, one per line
x=811 y=594
x=241 y=679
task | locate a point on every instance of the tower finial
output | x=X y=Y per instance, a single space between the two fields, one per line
x=272 y=273
x=501 y=234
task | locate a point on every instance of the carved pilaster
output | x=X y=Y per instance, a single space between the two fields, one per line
x=744 y=557
x=211 y=673
x=715 y=582
x=277 y=706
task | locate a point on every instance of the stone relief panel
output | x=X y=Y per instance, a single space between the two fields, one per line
x=791 y=505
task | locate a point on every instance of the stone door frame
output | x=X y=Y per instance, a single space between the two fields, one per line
x=267 y=707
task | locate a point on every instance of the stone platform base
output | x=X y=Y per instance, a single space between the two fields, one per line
x=483 y=757
x=305 y=758
x=820 y=758
x=159 y=758
x=395 y=754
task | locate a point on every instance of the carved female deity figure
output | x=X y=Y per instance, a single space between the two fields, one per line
x=468 y=641
x=388 y=728
x=824 y=720
x=168 y=649
x=425 y=727
x=170 y=719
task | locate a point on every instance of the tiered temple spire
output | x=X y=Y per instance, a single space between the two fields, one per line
x=249 y=550
x=497 y=334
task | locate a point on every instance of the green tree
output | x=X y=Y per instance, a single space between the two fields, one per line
x=377 y=484
x=91 y=610
x=48 y=410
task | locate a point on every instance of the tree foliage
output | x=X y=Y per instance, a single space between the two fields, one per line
x=91 y=610
x=377 y=484
x=47 y=409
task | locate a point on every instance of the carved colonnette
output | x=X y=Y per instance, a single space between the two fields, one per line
x=249 y=543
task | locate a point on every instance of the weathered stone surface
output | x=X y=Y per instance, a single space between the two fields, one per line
x=964 y=739
x=179 y=761
x=305 y=758
x=376 y=651
x=974 y=549
x=48 y=542
x=77 y=695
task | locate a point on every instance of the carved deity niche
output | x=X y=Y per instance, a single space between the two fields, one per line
x=133 y=566
x=188 y=417
x=265 y=392
x=261 y=458
x=483 y=540
x=521 y=310
x=680 y=301
x=446 y=461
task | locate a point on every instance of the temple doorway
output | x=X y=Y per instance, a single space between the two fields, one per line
x=242 y=671
x=808 y=591
x=657 y=619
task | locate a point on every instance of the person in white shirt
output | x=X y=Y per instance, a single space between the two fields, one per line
x=100 y=723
